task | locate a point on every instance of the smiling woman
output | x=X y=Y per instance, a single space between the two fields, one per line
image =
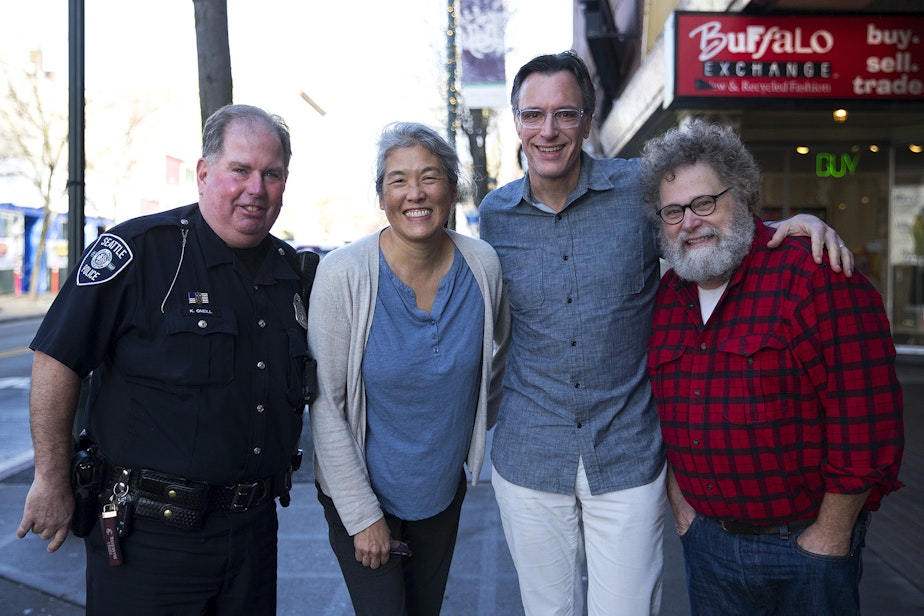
x=420 y=305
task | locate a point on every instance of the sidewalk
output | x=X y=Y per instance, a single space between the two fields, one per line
x=14 y=307
x=482 y=580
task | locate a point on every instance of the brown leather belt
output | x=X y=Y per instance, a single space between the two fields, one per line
x=737 y=527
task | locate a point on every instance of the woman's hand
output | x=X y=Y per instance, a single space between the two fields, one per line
x=373 y=544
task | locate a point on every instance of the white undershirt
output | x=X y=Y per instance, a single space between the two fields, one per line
x=708 y=298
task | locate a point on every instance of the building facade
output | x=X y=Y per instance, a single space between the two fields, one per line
x=828 y=95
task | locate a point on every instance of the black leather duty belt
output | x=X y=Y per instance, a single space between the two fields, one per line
x=184 y=503
x=736 y=527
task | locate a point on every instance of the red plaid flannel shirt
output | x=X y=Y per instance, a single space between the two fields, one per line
x=788 y=392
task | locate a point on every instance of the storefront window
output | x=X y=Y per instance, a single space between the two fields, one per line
x=845 y=185
x=906 y=246
x=879 y=214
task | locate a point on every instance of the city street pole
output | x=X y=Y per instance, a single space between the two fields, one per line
x=452 y=101
x=76 y=151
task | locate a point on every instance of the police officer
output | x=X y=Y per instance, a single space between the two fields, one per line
x=193 y=327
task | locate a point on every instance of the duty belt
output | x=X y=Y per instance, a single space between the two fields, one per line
x=184 y=503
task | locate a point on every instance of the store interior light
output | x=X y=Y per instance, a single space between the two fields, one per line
x=802 y=149
x=916 y=148
x=840 y=115
x=874 y=148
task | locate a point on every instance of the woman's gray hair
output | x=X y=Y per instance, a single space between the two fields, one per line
x=715 y=144
x=409 y=134
x=213 y=133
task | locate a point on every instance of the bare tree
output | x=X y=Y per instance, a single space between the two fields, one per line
x=34 y=142
x=117 y=154
x=34 y=145
x=215 y=86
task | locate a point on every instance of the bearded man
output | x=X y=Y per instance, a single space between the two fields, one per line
x=774 y=378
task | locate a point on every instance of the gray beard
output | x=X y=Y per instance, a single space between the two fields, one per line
x=711 y=266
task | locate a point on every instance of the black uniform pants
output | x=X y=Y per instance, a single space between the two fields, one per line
x=404 y=586
x=226 y=569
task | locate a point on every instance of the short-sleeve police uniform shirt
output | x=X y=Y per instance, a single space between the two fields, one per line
x=196 y=362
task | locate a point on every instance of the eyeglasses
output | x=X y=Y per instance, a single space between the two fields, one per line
x=701 y=206
x=562 y=118
x=400 y=548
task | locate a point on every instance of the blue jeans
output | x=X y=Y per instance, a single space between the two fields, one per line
x=769 y=574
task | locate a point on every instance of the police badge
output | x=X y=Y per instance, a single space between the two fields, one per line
x=301 y=315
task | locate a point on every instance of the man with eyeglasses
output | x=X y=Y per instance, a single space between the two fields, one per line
x=775 y=383
x=579 y=464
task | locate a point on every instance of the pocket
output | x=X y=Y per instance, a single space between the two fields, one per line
x=691 y=529
x=199 y=347
x=664 y=367
x=769 y=378
x=526 y=268
x=621 y=256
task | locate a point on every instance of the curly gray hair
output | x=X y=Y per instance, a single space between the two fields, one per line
x=715 y=144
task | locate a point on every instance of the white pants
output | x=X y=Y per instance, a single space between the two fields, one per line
x=622 y=538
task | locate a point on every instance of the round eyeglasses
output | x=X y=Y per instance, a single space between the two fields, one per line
x=701 y=206
x=562 y=118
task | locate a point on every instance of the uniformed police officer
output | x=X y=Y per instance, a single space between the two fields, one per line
x=193 y=327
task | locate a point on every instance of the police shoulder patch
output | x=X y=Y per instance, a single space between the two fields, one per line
x=104 y=260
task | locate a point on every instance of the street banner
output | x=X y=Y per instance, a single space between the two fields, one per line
x=481 y=36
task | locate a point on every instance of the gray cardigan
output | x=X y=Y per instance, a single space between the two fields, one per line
x=339 y=318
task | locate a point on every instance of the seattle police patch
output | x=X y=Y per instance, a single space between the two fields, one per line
x=104 y=260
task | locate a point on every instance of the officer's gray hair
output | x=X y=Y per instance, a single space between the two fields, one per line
x=213 y=133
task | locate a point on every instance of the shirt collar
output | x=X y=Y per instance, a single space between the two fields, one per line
x=592 y=177
x=218 y=253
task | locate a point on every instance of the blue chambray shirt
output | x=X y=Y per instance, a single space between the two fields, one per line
x=581 y=285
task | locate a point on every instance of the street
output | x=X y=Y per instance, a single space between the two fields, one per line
x=15 y=368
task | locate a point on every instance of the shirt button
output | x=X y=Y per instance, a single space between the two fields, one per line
x=260 y=408
x=696 y=442
x=557 y=217
x=570 y=300
x=261 y=323
x=577 y=385
x=202 y=324
x=703 y=346
x=708 y=486
x=261 y=365
x=696 y=393
x=256 y=451
x=565 y=257
x=574 y=343
x=580 y=425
